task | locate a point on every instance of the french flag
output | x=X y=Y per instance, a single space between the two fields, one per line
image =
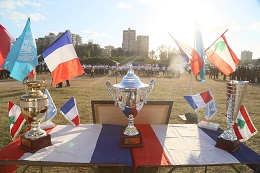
x=6 y=42
x=70 y=112
x=62 y=60
x=199 y=100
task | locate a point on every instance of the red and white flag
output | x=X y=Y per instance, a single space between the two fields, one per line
x=6 y=42
x=222 y=56
x=243 y=127
x=16 y=119
x=70 y=112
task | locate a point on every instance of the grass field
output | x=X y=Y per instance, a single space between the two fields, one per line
x=85 y=89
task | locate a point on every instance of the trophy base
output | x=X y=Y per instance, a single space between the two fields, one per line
x=34 y=145
x=131 y=141
x=230 y=146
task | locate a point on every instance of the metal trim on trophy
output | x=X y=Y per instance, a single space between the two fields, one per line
x=34 y=106
x=235 y=92
x=130 y=95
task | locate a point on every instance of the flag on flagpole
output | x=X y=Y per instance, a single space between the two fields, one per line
x=190 y=55
x=243 y=127
x=16 y=119
x=22 y=57
x=62 y=60
x=6 y=42
x=52 y=110
x=70 y=112
x=199 y=47
x=222 y=56
x=200 y=100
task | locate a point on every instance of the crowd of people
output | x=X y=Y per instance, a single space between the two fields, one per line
x=243 y=73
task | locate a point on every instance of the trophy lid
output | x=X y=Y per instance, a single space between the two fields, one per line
x=130 y=81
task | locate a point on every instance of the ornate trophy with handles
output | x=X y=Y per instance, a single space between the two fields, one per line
x=130 y=95
x=34 y=106
x=235 y=92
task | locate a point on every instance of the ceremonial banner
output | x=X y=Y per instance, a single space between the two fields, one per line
x=222 y=56
x=190 y=55
x=22 y=57
x=16 y=119
x=70 y=112
x=62 y=60
x=243 y=127
x=6 y=42
x=199 y=100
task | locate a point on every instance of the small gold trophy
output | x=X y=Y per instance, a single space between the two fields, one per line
x=130 y=95
x=34 y=106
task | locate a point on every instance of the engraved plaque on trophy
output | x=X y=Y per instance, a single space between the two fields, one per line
x=130 y=95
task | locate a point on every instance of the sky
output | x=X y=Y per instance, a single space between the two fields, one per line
x=103 y=21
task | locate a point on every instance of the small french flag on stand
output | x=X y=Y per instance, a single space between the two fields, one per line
x=70 y=112
x=199 y=100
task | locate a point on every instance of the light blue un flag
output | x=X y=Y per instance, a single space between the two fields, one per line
x=52 y=110
x=199 y=47
x=22 y=57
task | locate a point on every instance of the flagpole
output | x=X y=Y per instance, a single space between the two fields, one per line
x=216 y=40
x=191 y=77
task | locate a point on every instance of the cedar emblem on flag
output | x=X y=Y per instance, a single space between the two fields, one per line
x=16 y=119
x=243 y=127
x=222 y=56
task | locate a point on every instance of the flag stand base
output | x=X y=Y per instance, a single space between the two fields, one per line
x=34 y=145
x=208 y=125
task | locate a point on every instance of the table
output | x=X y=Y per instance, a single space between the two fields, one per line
x=172 y=145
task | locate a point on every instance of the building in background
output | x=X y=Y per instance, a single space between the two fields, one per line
x=49 y=39
x=106 y=51
x=142 y=45
x=246 y=56
x=129 y=40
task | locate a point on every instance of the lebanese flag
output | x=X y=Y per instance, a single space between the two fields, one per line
x=16 y=119
x=222 y=56
x=62 y=60
x=243 y=127
x=6 y=43
x=70 y=112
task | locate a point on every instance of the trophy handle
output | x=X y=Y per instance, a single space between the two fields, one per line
x=150 y=88
x=110 y=90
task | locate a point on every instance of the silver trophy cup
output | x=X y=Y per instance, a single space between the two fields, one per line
x=235 y=93
x=130 y=95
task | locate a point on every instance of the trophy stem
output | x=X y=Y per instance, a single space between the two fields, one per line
x=131 y=130
x=35 y=132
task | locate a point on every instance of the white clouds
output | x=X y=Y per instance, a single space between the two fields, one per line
x=124 y=5
x=11 y=9
x=254 y=26
x=94 y=34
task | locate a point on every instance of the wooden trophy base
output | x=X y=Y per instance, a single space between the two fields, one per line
x=131 y=141
x=34 y=145
x=230 y=146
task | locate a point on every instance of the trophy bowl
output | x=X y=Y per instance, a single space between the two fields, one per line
x=130 y=95
x=34 y=106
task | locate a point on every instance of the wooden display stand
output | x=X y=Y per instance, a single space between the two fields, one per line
x=230 y=146
x=131 y=141
x=34 y=145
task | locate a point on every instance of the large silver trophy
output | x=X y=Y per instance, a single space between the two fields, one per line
x=130 y=95
x=235 y=92
x=34 y=106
